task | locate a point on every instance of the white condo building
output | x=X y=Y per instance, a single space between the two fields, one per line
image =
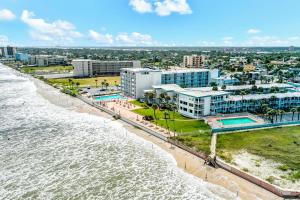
x=89 y=68
x=134 y=81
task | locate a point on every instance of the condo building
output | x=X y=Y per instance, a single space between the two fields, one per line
x=90 y=68
x=135 y=80
x=189 y=77
x=47 y=60
x=199 y=102
x=8 y=52
x=193 y=61
x=133 y=87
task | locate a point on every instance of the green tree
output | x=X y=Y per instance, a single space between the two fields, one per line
x=293 y=110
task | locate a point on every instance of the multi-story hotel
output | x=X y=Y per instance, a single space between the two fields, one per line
x=8 y=52
x=193 y=61
x=89 y=68
x=199 y=102
x=134 y=81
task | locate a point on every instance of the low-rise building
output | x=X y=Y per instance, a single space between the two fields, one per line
x=249 y=68
x=47 y=60
x=22 y=57
x=199 y=102
x=90 y=68
x=225 y=80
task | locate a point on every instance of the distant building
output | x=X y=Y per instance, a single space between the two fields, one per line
x=134 y=81
x=225 y=80
x=23 y=57
x=193 y=61
x=89 y=68
x=8 y=52
x=47 y=60
x=249 y=68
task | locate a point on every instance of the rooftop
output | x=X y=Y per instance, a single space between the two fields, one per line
x=110 y=61
x=263 y=96
x=169 y=87
x=243 y=87
x=184 y=70
x=204 y=94
x=140 y=70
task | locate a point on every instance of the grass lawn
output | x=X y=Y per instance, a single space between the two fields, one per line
x=191 y=132
x=84 y=82
x=57 y=68
x=279 y=144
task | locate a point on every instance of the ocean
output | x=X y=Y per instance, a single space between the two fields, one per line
x=54 y=152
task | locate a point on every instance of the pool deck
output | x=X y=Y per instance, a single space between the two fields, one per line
x=214 y=122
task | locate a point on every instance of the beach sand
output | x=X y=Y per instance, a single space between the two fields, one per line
x=185 y=161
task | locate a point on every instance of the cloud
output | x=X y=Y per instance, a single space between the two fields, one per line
x=4 y=40
x=228 y=41
x=253 y=31
x=272 y=41
x=123 y=39
x=141 y=6
x=135 y=39
x=166 y=7
x=56 y=32
x=161 y=7
x=7 y=15
x=101 y=38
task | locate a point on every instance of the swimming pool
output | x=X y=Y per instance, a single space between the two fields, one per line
x=236 y=121
x=109 y=97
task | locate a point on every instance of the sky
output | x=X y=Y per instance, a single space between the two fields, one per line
x=150 y=22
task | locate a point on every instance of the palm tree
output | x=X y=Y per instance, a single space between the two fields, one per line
x=77 y=84
x=173 y=108
x=96 y=81
x=298 y=110
x=70 y=82
x=223 y=87
x=154 y=107
x=276 y=113
x=293 y=110
x=106 y=85
x=281 y=112
x=167 y=116
x=102 y=84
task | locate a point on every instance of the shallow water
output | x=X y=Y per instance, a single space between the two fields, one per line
x=50 y=152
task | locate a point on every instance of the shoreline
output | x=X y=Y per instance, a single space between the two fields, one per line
x=185 y=161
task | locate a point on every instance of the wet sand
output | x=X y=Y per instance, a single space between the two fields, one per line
x=185 y=161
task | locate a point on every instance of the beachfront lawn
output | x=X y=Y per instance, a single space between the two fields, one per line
x=180 y=123
x=281 y=145
x=86 y=82
x=191 y=132
x=49 y=69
